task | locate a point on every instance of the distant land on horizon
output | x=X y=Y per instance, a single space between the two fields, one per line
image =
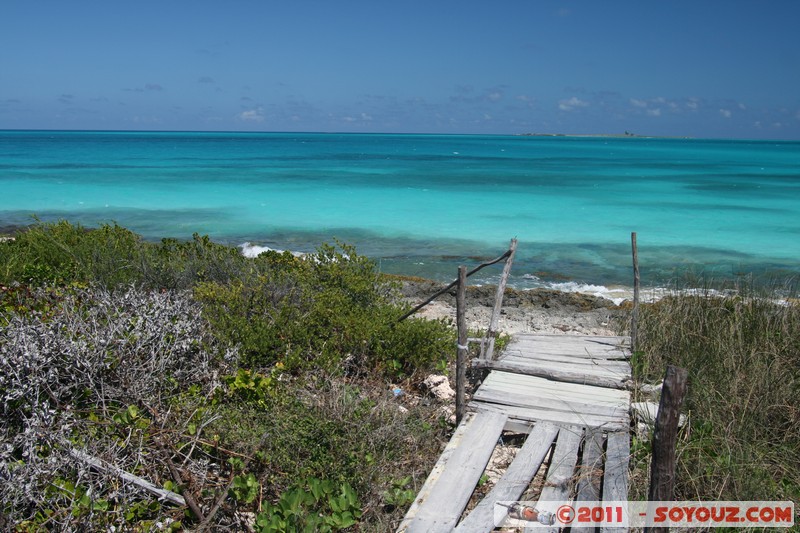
x=627 y=134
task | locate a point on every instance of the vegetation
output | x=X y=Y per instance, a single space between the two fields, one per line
x=743 y=357
x=258 y=389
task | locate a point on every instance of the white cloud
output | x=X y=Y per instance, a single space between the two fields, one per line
x=494 y=96
x=692 y=104
x=252 y=115
x=571 y=103
x=363 y=117
x=725 y=113
x=635 y=102
x=654 y=112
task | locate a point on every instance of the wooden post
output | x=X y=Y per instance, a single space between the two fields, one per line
x=498 y=303
x=635 y=314
x=662 y=470
x=461 y=351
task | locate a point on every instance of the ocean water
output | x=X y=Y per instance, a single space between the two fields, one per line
x=422 y=204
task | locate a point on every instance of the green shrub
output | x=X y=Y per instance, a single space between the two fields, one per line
x=111 y=256
x=61 y=253
x=330 y=310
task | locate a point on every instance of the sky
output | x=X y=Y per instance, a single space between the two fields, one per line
x=708 y=69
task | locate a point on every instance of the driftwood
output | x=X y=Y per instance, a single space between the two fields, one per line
x=108 y=468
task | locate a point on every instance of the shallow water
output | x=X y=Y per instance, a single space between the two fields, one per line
x=421 y=204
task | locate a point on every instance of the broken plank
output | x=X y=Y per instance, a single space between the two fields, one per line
x=558 y=483
x=615 y=477
x=514 y=481
x=441 y=505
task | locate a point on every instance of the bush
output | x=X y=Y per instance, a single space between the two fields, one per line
x=94 y=375
x=62 y=253
x=330 y=310
x=113 y=256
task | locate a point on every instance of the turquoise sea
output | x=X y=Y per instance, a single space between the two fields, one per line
x=422 y=204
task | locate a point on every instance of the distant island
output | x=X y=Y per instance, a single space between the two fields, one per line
x=627 y=134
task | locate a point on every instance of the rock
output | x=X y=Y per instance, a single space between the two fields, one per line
x=439 y=387
x=645 y=414
x=652 y=391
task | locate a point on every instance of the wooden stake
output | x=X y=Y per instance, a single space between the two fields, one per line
x=461 y=352
x=662 y=470
x=635 y=314
x=498 y=303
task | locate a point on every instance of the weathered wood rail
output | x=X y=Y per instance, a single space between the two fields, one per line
x=566 y=394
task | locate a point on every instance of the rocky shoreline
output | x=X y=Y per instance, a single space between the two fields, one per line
x=544 y=311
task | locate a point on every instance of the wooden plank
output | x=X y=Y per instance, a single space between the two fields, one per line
x=438 y=468
x=620 y=367
x=590 y=474
x=573 y=391
x=558 y=484
x=577 y=397
x=590 y=477
x=570 y=350
x=534 y=414
x=514 y=482
x=578 y=390
x=560 y=390
x=565 y=377
x=622 y=341
x=441 y=505
x=522 y=356
x=615 y=477
x=558 y=354
x=543 y=402
x=620 y=372
x=579 y=345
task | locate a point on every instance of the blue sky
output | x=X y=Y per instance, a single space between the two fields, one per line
x=710 y=68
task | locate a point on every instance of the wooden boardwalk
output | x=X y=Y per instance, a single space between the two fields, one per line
x=568 y=395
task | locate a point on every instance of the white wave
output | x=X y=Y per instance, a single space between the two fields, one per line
x=615 y=294
x=254 y=250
